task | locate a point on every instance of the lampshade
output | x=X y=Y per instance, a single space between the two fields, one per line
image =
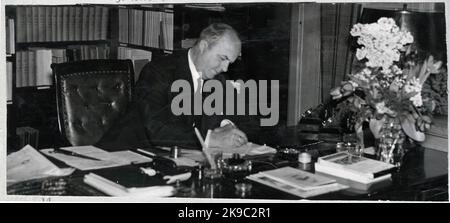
x=428 y=29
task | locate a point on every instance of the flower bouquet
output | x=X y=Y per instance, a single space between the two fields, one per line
x=386 y=89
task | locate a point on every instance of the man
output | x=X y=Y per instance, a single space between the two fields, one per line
x=150 y=120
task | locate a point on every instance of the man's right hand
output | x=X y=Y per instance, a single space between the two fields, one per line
x=227 y=136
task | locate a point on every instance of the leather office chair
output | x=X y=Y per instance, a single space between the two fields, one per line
x=91 y=95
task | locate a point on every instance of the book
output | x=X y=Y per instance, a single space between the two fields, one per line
x=54 y=23
x=348 y=175
x=29 y=24
x=43 y=69
x=10 y=36
x=48 y=24
x=128 y=182
x=357 y=186
x=41 y=29
x=59 y=23
x=298 y=178
x=356 y=165
x=21 y=24
x=9 y=79
x=98 y=22
x=104 y=23
x=304 y=190
x=84 y=22
x=91 y=23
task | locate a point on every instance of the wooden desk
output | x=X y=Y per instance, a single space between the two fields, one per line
x=423 y=177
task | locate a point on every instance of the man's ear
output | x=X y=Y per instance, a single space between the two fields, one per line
x=202 y=45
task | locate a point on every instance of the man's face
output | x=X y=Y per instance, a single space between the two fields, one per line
x=215 y=59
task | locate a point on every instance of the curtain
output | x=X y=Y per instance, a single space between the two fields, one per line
x=336 y=51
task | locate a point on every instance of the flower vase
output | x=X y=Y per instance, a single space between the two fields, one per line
x=390 y=144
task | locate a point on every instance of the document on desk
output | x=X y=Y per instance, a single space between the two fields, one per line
x=28 y=163
x=246 y=149
x=297 y=182
x=99 y=158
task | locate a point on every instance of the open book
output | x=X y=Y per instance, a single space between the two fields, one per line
x=297 y=182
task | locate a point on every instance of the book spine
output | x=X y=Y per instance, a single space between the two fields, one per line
x=98 y=22
x=71 y=24
x=19 y=68
x=9 y=79
x=54 y=19
x=65 y=25
x=105 y=22
x=78 y=23
x=59 y=23
x=35 y=13
x=32 y=68
x=41 y=24
x=91 y=28
x=85 y=23
x=48 y=24
x=21 y=24
x=25 y=69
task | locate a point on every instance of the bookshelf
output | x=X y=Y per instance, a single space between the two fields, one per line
x=45 y=34
x=38 y=36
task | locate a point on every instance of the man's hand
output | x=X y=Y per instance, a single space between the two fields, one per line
x=226 y=137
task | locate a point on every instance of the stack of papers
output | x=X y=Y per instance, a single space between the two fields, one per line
x=91 y=157
x=297 y=182
x=28 y=163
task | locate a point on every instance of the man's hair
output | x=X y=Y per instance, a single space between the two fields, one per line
x=215 y=31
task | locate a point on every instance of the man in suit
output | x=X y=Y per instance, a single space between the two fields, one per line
x=150 y=120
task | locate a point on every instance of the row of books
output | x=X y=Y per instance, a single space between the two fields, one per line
x=10 y=36
x=61 y=23
x=146 y=28
x=33 y=66
x=139 y=57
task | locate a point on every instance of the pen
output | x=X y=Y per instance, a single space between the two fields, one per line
x=204 y=149
x=61 y=151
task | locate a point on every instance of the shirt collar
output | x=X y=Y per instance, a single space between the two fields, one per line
x=195 y=74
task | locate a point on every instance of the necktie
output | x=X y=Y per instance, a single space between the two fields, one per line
x=198 y=102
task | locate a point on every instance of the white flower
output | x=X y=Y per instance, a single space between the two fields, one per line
x=382 y=109
x=417 y=100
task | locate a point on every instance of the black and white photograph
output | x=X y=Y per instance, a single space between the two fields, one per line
x=233 y=101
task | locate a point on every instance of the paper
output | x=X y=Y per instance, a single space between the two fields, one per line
x=105 y=159
x=246 y=149
x=298 y=178
x=81 y=163
x=131 y=157
x=28 y=163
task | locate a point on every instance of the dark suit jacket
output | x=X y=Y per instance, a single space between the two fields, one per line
x=149 y=120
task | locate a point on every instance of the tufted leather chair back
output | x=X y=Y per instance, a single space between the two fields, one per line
x=91 y=96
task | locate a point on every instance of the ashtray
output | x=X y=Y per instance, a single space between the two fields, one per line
x=289 y=154
x=236 y=167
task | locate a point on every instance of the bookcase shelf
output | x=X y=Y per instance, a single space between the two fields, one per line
x=59 y=44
